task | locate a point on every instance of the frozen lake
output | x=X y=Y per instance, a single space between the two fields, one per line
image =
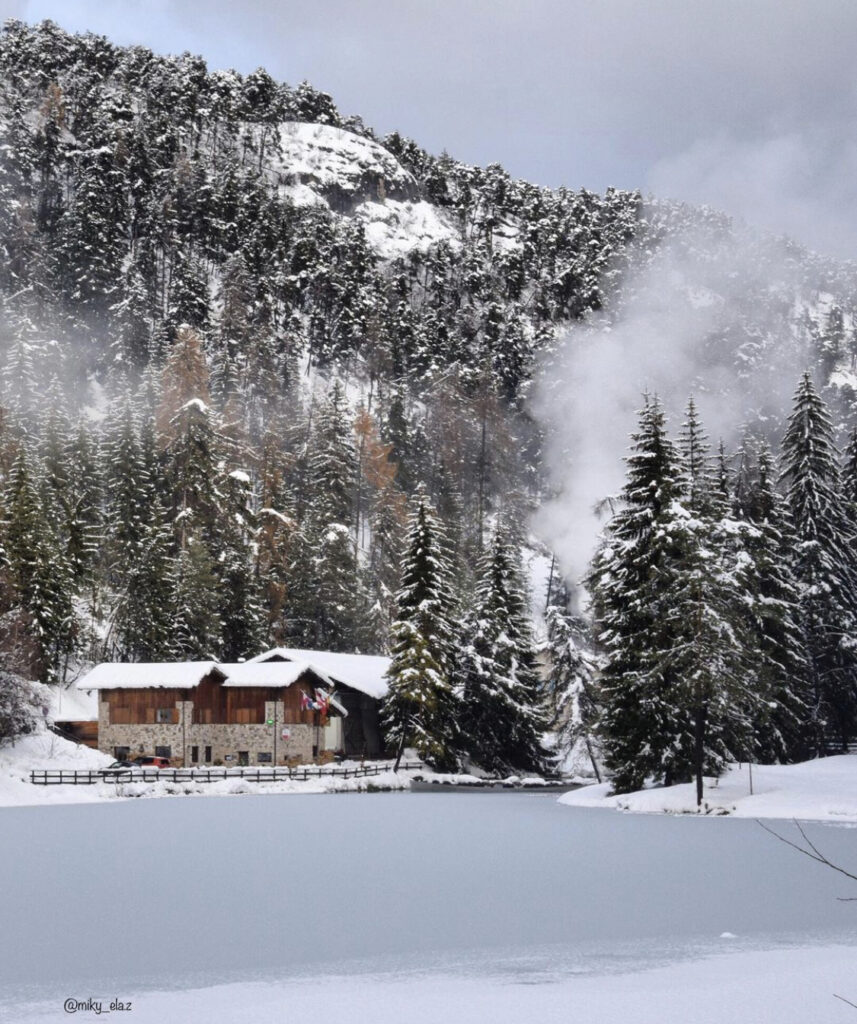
x=183 y=893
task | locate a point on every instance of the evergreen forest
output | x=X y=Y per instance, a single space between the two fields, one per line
x=266 y=378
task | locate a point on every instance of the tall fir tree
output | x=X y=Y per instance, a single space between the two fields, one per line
x=572 y=687
x=704 y=615
x=824 y=565
x=502 y=713
x=420 y=708
x=781 y=726
x=40 y=574
x=629 y=590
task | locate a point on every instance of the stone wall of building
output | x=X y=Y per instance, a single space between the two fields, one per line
x=227 y=742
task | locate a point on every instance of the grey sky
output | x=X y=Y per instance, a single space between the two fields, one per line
x=747 y=104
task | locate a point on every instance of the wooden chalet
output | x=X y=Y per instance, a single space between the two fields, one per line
x=278 y=708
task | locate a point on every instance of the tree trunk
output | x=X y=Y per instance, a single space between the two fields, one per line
x=592 y=757
x=699 y=750
x=399 y=753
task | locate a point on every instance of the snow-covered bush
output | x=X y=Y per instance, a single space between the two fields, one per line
x=20 y=706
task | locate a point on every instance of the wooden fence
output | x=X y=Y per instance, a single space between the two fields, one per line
x=300 y=773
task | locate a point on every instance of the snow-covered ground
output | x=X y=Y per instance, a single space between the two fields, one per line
x=44 y=749
x=824 y=789
x=787 y=986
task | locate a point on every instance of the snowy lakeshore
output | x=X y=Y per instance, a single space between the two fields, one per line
x=821 y=790
x=44 y=750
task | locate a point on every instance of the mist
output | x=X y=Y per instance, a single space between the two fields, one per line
x=801 y=182
x=710 y=313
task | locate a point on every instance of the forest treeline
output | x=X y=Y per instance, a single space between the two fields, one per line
x=222 y=405
x=724 y=604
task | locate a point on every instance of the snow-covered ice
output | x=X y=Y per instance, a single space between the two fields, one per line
x=419 y=908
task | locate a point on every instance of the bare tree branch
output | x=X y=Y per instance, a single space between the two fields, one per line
x=813 y=852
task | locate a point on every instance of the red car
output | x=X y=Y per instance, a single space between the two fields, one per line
x=152 y=762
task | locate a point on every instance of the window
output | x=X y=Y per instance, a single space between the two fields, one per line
x=244 y=757
x=121 y=753
x=194 y=754
x=208 y=755
x=164 y=715
x=263 y=757
x=163 y=751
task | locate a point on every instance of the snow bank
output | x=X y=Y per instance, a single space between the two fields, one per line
x=824 y=789
x=240 y=787
x=44 y=749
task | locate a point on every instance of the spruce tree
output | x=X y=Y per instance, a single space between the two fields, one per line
x=824 y=565
x=572 y=682
x=629 y=589
x=704 y=614
x=40 y=574
x=244 y=630
x=328 y=597
x=502 y=717
x=420 y=709
x=144 y=619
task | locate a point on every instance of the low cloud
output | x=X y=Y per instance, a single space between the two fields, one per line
x=686 y=324
x=802 y=184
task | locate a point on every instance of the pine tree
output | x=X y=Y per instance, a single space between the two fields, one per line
x=780 y=731
x=145 y=614
x=328 y=598
x=629 y=590
x=705 y=618
x=419 y=709
x=572 y=682
x=128 y=491
x=39 y=573
x=824 y=564
x=197 y=626
x=502 y=718
x=244 y=630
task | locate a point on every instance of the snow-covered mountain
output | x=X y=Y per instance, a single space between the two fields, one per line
x=187 y=250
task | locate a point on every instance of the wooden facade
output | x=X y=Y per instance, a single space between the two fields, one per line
x=144 y=707
x=213 y=703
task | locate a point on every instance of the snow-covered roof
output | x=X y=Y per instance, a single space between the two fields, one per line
x=177 y=675
x=364 y=672
x=68 y=704
x=281 y=666
x=271 y=673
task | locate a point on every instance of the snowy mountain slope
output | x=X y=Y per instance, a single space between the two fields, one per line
x=355 y=176
x=334 y=161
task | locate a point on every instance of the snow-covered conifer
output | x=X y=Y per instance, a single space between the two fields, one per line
x=420 y=708
x=824 y=565
x=502 y=713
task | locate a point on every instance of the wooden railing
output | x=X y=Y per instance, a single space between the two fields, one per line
x=300 y=773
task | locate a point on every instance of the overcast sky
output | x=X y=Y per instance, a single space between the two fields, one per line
x=750 y=105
